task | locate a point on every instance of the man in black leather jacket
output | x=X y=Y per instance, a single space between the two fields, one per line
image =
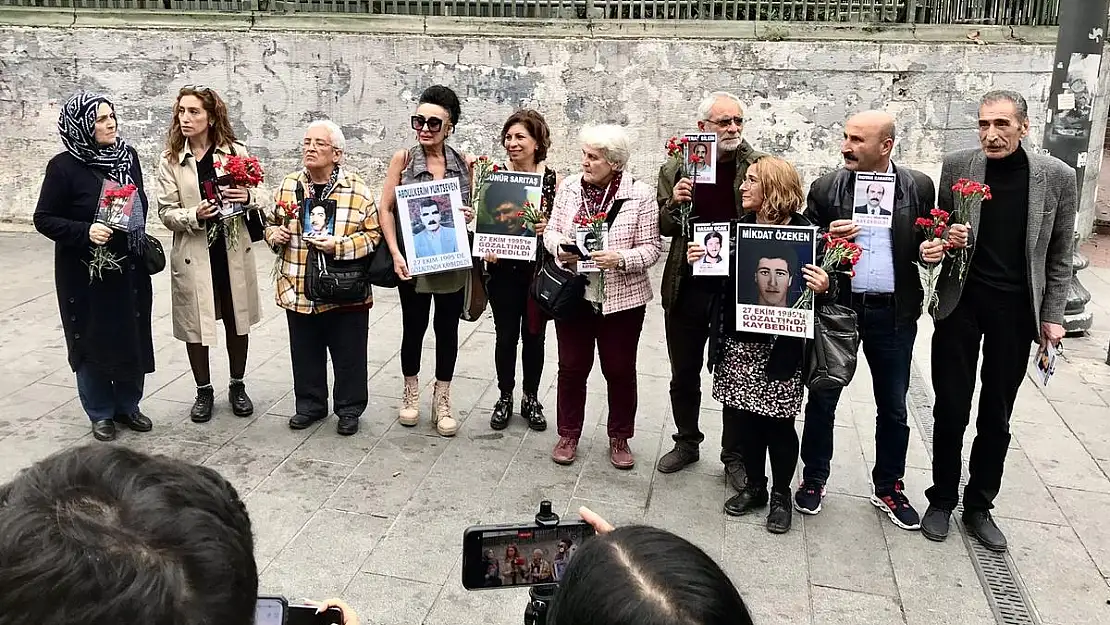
x=886 y=294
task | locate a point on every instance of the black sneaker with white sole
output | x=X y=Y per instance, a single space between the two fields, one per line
x=807 y=499
x=897 y=507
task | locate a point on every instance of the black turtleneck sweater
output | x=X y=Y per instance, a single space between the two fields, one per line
x=998 y=261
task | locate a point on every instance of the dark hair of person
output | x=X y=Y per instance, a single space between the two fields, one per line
x=498 y=194
x=219 y=122
x=536 y=126
x=713 y=234
x=640 y=575
x=105 y=535
x=444 y=97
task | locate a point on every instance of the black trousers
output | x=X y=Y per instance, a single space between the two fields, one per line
x=687 y=325
x=311 y=338
x=507 y=289
x=1005 y=326
x=415 y=310
x=761 y=436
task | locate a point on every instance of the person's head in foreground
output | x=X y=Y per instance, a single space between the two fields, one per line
x=105 y=535
x=639 y=575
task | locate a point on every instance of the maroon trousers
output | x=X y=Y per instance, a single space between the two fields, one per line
x=617 y=337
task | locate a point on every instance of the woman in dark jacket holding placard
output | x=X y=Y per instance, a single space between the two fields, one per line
x=759 y=377
x=516 y=317
x=105 y=308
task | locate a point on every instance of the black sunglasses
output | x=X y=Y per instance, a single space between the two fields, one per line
x=434 y=124
x=197 y=88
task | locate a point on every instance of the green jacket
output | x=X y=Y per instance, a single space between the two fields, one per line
x=677 y=268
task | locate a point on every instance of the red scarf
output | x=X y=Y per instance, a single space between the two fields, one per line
x=596 y=199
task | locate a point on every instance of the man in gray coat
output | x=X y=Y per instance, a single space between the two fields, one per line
x=1012 y=294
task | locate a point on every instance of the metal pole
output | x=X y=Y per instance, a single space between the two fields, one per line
x=1067 y=131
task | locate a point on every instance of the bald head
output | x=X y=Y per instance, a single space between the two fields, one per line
x=868 y=141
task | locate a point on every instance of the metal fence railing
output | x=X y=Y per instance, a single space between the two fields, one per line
x=1007 y=12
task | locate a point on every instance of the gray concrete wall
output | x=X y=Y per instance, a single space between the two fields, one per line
x=279 y=72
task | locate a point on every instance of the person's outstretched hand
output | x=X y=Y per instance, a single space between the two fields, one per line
x=349 y=616
x=600 y=525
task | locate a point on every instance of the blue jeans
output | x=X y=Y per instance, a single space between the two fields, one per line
x=103 y=398
x=888 y=347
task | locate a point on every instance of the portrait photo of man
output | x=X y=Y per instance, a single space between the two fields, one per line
x=502 y=204
x=775 y=273
x=317 y=220
x=872 y=201
x=713 y=243
x=430 y=236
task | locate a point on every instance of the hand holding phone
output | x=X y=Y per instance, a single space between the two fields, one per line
x=572 y=249
x=276 y=610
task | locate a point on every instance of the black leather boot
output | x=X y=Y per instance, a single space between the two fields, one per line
x=532 y=411
x=202 y=406
x=241 y=405
x=502 y=411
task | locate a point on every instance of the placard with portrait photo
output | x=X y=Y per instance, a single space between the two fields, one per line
x=873 y=202
x=116 y=205
x=705 y=146
x=433 y=227
x=318 y=218
x=714 y=237
x=769 y=280
x=500 y=227
x=588 y=241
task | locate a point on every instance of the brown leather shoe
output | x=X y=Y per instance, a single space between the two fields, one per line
x=566 y=450
x=619 y=453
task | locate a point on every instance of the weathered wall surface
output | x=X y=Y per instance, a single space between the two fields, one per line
x=278 y=76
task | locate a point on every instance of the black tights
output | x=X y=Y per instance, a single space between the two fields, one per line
x=415 y=309
x=761 y=436
x=236 y=355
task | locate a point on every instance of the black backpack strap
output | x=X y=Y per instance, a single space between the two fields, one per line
x=616 y=208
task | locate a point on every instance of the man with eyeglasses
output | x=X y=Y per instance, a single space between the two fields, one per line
x=687 y=300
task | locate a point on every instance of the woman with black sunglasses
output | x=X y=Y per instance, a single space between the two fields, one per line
x=430 y=159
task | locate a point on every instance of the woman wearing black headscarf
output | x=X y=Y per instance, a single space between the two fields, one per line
x=104 y=293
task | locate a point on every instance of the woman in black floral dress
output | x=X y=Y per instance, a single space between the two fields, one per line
x=758 y=377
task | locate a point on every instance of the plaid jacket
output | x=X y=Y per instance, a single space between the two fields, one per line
x=634 y=233
x=356 y=230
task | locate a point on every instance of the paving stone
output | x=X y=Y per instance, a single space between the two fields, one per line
x=286 y=499
x=1087 y=512
x=1061 y=460
x=1023 y=495
x=1088 y=423
x=770 y=571
x=1063 y=583
x=849 y=525
x=833 y=606
x=384 y=600
x=325 y=556
x=387 y=478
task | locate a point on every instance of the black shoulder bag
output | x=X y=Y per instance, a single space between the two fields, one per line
x=832 y=357
x=334 y=281
x=557 y=290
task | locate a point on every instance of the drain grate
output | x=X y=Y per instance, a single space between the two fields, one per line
x=1005 y=593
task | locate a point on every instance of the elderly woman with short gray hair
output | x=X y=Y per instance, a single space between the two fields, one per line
x=611 y=316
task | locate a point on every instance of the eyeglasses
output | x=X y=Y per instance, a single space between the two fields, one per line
x=315 y=143
x=434 y=124
x=197 y=88
x=727 y=121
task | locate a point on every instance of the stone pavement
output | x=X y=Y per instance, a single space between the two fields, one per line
x=378 y=517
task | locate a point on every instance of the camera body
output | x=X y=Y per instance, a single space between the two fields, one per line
x=515 y=555
x=277 y=610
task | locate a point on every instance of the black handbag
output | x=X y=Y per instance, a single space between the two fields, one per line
x=333 y=281
x=381 y=266
x=153 y=255
x=558 y=291
x=832 y=358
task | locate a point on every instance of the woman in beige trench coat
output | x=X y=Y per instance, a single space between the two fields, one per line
x=208 y=282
